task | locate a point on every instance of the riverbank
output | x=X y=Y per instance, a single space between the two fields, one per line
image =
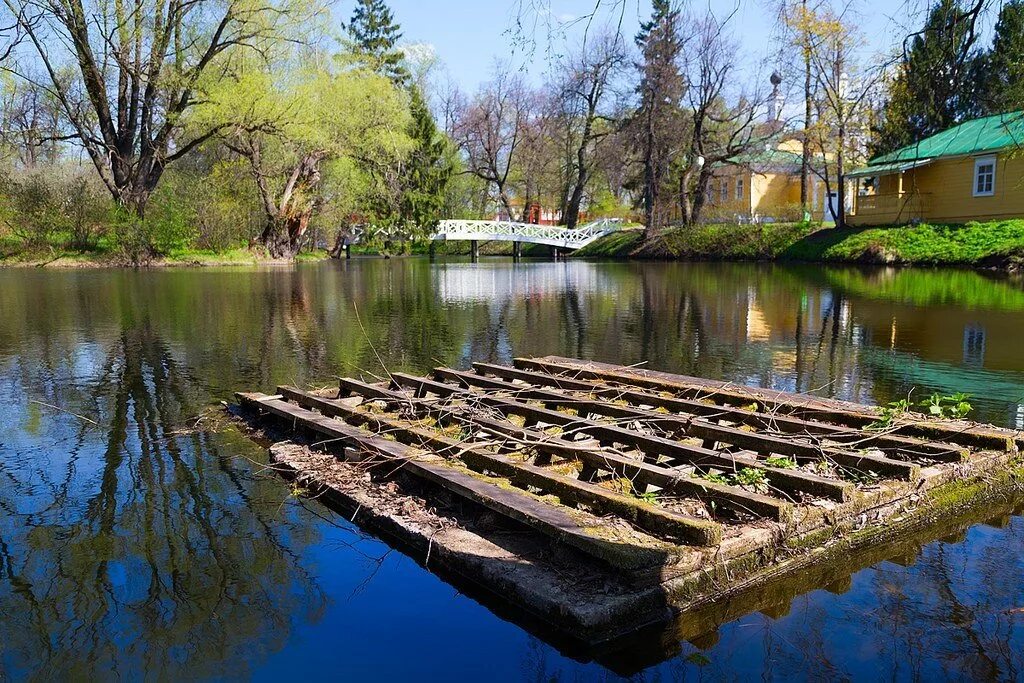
x=71 y=259
x=997 y=244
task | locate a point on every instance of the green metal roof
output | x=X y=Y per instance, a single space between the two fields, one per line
x=885 y=169
x=768 y=158
x=971 y=137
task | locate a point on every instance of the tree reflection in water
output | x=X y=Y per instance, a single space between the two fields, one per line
x=143 y=543
x=137 y=544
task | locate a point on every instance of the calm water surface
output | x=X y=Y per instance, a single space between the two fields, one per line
x=141 y=537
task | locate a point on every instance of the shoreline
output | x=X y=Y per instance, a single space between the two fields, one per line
x=995 y=246
x=981 y=246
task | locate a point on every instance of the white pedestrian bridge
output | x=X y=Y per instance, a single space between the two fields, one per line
x=508 y=231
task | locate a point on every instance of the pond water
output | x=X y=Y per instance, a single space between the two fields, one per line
x=140 y=534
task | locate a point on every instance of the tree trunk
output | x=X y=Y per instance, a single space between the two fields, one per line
x=699 y=194
x=840 y=181
x=805 y=159
x=650 y=193
x=572 y=213
x=285 y=231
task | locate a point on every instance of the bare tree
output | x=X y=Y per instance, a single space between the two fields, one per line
x=796 y=19
x=842 y=99
x=583 y=92
x=138 y=67
x=11 y=35
x=491 y=129
x=30 y=123
x=719 y=131
x=538 y=173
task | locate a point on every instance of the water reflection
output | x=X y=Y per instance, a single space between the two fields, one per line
x=133 y=537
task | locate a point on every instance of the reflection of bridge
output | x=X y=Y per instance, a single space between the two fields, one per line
x=517 y=233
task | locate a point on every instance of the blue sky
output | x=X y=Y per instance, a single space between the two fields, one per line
x=468 y=35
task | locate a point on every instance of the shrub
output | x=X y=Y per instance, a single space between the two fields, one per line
x=54 y=206
x=167 y=225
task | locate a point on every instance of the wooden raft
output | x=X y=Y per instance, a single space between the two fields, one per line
x=649 y=474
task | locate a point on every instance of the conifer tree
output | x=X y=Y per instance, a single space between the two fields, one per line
x=1002 y=72
x=374 y=37
x=428 y=169
x=657 y=120
x=933 y=89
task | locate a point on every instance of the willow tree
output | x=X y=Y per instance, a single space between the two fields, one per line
x=310 y=130
x=127 y=73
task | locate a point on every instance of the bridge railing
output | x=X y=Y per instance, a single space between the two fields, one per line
x=512 y=231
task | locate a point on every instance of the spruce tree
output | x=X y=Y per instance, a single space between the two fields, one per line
x=1002 y=69
x=933 y=89
x=428 y=169
x=423 y=182
x=661 y=89
x=374 y=37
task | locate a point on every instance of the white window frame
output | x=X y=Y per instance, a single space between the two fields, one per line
x=739 y=188
x=723 y=190
x=978 y=163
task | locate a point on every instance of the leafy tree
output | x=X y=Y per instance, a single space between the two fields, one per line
x=800 y=30
x=1002 y=72
x=932 y=89
x=374 y=37
x=658 y=118
x=126 y=76
x=310 y=133
x=844 y=87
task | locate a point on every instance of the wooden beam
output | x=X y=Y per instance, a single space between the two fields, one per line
x=788 y=480
x=901 y=446
x=781 y=479
x=644 y=515
x=798 y=405
x=514 y=504
x=722 y=495
x=763 y=444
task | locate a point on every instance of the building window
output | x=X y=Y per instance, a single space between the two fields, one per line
x=739 y=188
x=723 y=190
x=709 y=191
x=984 y=176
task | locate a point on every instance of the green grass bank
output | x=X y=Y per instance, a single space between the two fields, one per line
x=997 y=244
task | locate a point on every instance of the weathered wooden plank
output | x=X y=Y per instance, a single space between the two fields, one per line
x=552 y=521
x=725 y=496
x=644 y=515
x=785 y=479
x=830 y=410
x=898 y=445
x=764 y=444
x=654 y=446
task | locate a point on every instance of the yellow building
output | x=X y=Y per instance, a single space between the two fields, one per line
x=972 y=172
x=764 y=187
